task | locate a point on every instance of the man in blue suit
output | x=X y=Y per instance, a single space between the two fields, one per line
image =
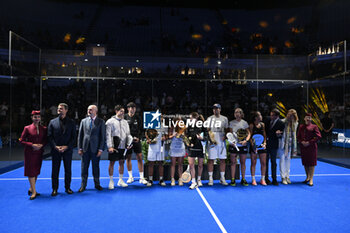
x=62 y=135
x=274 y=130
x=91 y=143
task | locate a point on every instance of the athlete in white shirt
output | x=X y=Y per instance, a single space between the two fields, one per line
x=237 y=124
x=156 y=155
x=177 y=151
x=217 y=150
x=116 y=126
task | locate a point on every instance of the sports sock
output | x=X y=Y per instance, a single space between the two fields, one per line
x=222 y=175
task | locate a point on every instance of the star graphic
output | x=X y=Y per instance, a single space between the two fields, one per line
x=155 y=115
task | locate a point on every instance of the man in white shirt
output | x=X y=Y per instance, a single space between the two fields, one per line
x=219 y=127
x=116 y=126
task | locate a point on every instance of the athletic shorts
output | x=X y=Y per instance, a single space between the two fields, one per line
x=242 y=150
x=217 y=151
x=259 y=151
x=136 y=147
x=115 y=156
x=155 y=156
x=196 y=153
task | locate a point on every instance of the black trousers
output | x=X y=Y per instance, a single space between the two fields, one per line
x=56 y=164
x=85 y=163
x=271 y=155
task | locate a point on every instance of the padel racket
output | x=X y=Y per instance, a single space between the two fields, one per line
x=129 y=140
x=186 y=176
x=258 y=140
x=232 y=139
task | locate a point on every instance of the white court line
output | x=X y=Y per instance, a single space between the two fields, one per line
x=125 y=178
x=348 y=174
x=62 y=178
x=211 y=211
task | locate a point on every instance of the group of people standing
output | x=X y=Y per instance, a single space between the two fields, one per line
x=122 y=135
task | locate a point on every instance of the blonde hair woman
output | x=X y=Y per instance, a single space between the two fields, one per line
x=288 y=144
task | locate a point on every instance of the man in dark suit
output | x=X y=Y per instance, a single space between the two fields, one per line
x=91 y=143
x=274 y=130
x=62 y=135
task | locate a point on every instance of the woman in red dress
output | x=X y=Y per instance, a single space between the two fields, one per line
x=34 y=139
x=308 y=135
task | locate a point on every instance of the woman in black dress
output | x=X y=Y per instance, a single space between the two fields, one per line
x=257 y=127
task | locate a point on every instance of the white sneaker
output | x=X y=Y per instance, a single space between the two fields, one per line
x=199 y=182
x=223 y=182
x=162 y=183
x=288 y=180
x=211 y=182
x=130 y=180
x=121 y=183
x=143 y=181
x=181 y=183
x=193 y=186
x=111 y=184
x=149 y=183
x=172 y=182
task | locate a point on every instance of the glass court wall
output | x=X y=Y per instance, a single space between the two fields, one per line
x=175 y=85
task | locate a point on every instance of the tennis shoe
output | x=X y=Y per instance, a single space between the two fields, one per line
x=143 y=181
x=193 y=186
x=162 y=183
x=111 y=184
x=121 y=183
x=181 y=183
x=130 y=180
x=244 y=182
x=149 y=183
x=223 y=182
x=254 y=183
x=262 y=182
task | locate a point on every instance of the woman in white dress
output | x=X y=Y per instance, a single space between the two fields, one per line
x=177 y=150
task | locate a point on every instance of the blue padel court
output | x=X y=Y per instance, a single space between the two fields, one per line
x=325 y=207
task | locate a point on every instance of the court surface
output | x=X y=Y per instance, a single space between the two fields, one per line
x=325 y=207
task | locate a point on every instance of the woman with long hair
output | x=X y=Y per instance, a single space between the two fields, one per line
x=177 y=150
x=196 y=135
x=288 y=144
x=257 y=129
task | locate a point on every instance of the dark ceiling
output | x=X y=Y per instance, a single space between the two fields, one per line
x=231 y=4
